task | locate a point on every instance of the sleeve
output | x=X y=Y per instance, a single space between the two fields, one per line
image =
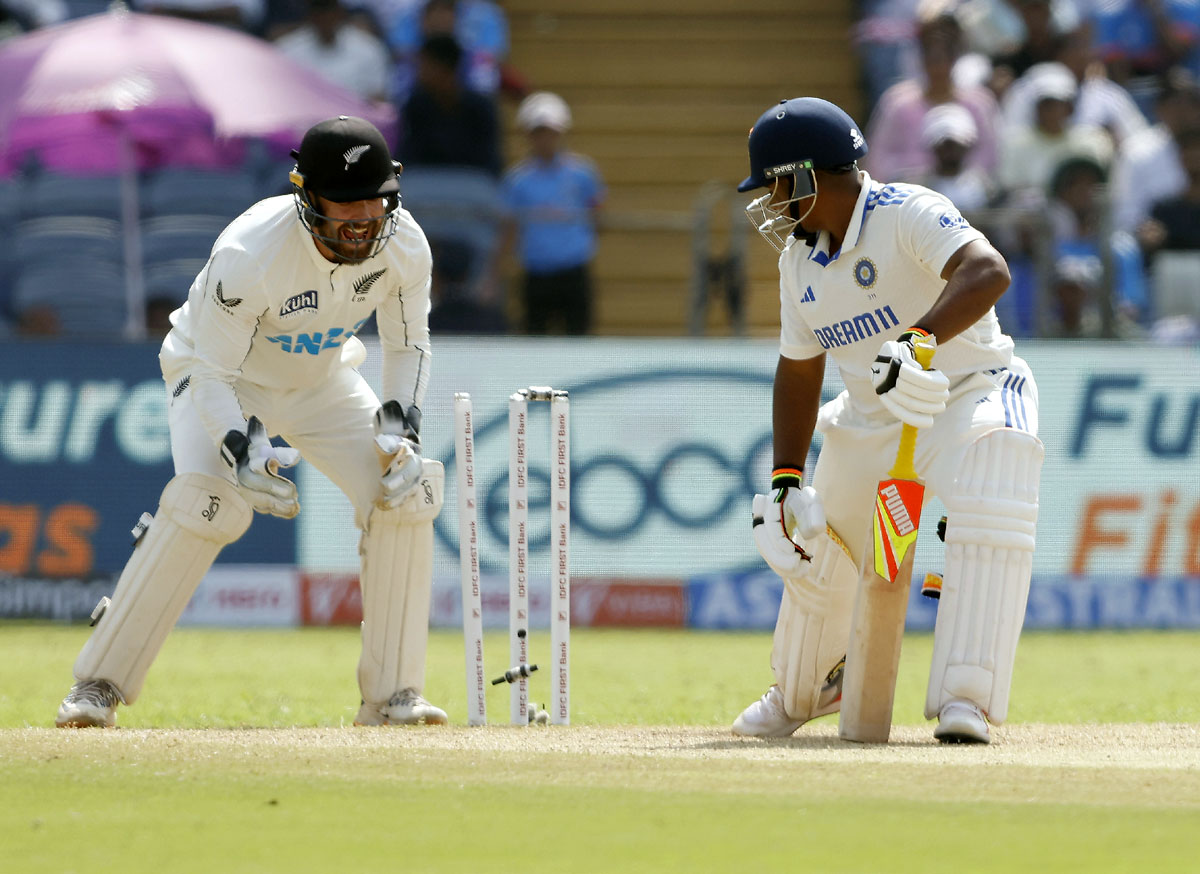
x=796 y=339
x=931 y=230
x=403 y=321
x=234 y=300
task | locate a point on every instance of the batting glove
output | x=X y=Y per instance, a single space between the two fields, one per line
x=911 y=394
x=788 y=511
x=256 y=464
x=398 y=442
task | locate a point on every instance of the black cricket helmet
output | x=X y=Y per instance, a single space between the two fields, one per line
x=345 y=159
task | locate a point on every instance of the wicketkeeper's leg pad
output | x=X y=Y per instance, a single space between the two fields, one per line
x=197 y=516
x=813 y=629
x=990 y=534
x=397 y=581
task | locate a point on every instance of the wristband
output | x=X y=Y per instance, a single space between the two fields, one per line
x=787 y=477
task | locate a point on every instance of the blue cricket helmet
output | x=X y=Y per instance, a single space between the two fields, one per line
x=801 y=133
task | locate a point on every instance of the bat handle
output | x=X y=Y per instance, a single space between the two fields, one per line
x=923 y=349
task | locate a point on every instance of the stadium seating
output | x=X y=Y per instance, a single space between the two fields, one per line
x=459 y=210
x=662 y=97
x=53 y=194
x=171 y=279
x=55 y=239
x=1176 y=285
x=88 y=298
x=172 y=237
x=187 y=191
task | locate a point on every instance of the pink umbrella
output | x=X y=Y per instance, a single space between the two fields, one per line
x=83 y=93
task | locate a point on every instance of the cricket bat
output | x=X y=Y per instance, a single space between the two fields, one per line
x=877 y=628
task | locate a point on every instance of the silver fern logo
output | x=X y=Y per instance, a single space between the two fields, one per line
x=363 y=284
x=353 y=153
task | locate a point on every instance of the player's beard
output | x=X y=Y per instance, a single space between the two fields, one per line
x=351 y=242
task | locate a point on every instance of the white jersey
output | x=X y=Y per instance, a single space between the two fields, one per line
x=269 y=309
x=886 y=275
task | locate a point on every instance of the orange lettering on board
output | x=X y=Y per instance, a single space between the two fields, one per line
x=1092 y=536
x=68 y=534
x=18 y=535
x=1191 y=552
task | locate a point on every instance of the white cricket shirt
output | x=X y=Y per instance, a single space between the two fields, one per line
x=269 y=309
x=886 y=275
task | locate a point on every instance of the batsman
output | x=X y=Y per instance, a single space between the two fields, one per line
x=265 y=344
x=868 y=273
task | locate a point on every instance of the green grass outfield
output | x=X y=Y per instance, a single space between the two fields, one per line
x=239 y=757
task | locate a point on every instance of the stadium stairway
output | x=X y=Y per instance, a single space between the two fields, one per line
x=662 y=97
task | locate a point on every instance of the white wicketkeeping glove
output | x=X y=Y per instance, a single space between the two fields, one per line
x=912 y=395
x=256 y=464
x=399 y=446
x=776 y=516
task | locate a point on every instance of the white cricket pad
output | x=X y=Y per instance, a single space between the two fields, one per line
x=813 y=629
x=197 y=516
x=396 y=581
x=990 y=535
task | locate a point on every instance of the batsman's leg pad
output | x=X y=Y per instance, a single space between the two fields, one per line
x=813 y=629
x=198 y=514
x=397 y=578
x=991 y=523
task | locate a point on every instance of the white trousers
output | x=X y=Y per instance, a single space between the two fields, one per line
x=857 y=453
x=331 y=424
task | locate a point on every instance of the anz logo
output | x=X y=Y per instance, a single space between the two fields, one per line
x=316 y=342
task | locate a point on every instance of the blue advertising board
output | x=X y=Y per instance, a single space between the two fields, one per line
x=84 y=451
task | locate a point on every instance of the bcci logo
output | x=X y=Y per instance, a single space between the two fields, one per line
x=864 y=272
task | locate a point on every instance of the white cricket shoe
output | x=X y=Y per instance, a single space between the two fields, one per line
x=766 y=717
x=962 y=722
x=406 y=707
x=90 y=703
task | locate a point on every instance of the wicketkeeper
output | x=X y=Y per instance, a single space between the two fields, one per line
x=864 y=268
x=266 y=345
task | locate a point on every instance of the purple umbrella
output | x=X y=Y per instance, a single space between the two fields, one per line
x=84 y=93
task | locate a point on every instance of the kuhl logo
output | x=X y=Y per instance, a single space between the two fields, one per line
x=227 y=302
x=305 y=300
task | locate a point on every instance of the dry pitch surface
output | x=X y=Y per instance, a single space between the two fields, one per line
x=623 y=798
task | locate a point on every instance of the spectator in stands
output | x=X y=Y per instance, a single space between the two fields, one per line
x=158 y=316
x=1100 y=101
x=1042 y=42
x=240 y=14
x=895 y=152
x=445 y=124
x=1141 y=40
x=38 y=321
x=1174 y=223
x=1015 y=34
x=949 y=132
x=25 y=15
x=1148 y=167
x=1081 y=234
x=479 y=26
x=1032 y=152
x=885 y=38
x=341 y=52
x=553 y=198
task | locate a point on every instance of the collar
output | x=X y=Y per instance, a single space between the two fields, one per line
x=820 y=249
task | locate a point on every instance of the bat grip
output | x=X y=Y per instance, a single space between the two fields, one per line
x=923 y=349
